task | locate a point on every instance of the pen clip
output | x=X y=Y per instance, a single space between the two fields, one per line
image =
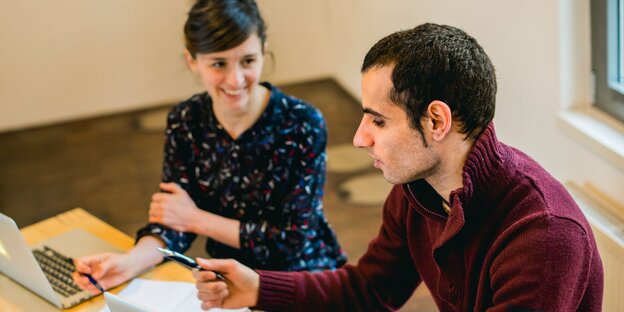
x=186 y=261
x=180 y=258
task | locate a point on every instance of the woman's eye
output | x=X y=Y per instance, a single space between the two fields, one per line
x=218 y=64
x=378 y=122
x=249 y=61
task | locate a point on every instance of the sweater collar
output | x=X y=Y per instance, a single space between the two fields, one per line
x=481 y=177
x=482 y=184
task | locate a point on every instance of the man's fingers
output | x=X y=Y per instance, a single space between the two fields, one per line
x=217 y=265
x=206 y=305
x=212 y=291
x=212 y=295
x=205 y=276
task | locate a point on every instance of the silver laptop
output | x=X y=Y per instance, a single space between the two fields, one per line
x=119 y=304
x=43 y=270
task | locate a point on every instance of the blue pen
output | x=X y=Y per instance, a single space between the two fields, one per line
x=93 y=281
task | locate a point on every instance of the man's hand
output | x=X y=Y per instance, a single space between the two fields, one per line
x=239 y=290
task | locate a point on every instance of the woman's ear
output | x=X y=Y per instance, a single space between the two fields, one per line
x=441 y=119
x=265 y=47
x=190 y=60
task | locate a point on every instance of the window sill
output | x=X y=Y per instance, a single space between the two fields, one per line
x=601 y=211
x=598 y=131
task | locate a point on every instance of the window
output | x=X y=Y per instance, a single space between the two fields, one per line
x=607 y=31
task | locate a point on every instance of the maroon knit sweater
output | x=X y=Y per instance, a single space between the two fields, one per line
x=514 y=241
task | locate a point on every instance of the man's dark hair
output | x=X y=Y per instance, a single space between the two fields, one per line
x=219 y=25
x=438 y=62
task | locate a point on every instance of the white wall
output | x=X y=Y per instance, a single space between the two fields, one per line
x=541 y=53
x=67 y=59
x=298 y=38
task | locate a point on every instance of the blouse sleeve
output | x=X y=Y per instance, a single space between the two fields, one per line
x=178 y=154
x=288 y=238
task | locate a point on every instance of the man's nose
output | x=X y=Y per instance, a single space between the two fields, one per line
x=362 y=138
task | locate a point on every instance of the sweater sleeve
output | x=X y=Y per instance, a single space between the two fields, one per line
x=542 y=265
x=383 y=279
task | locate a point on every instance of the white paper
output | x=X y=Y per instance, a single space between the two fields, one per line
x=162 y=296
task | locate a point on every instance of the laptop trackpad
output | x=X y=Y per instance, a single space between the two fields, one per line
x=77 y=243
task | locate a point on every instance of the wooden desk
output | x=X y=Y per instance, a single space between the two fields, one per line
x=18 y=298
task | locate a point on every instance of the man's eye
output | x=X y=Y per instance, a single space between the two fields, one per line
x=378 y=122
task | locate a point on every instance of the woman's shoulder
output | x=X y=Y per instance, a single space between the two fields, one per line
x=190 y=107
x=291 y=107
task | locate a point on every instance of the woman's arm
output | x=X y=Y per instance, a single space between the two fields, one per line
x=178 y=154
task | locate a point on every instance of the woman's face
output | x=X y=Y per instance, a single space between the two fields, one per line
x=230 y=77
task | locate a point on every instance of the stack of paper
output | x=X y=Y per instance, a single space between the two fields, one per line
x=160 y=296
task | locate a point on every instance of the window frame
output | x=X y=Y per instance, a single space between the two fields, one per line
x=607 y=40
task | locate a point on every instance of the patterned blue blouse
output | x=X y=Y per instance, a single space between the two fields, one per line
x=271 y=179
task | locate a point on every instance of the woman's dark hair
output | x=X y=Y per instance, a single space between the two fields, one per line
x=438 y=62
x=219 y=25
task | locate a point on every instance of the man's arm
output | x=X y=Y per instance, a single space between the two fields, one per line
x=545 y=265
x=383 y=279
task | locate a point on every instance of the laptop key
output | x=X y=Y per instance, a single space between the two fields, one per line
x=58 y=270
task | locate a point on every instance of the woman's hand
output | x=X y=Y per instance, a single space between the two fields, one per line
x=113 y=269
x=108 y=269
x=174 y=208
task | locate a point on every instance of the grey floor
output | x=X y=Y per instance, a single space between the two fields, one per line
x=110 y=166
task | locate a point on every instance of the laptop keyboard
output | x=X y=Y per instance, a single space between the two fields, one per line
x=58 y=269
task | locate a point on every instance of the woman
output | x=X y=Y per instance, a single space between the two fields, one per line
x=244 y=163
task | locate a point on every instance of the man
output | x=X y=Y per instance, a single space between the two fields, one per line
x=479 y=222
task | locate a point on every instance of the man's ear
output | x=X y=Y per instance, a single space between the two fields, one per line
x=440 y=119
x=190 y=60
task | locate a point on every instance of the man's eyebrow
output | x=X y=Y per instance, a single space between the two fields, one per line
x=372 y=112
x=222 y=58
